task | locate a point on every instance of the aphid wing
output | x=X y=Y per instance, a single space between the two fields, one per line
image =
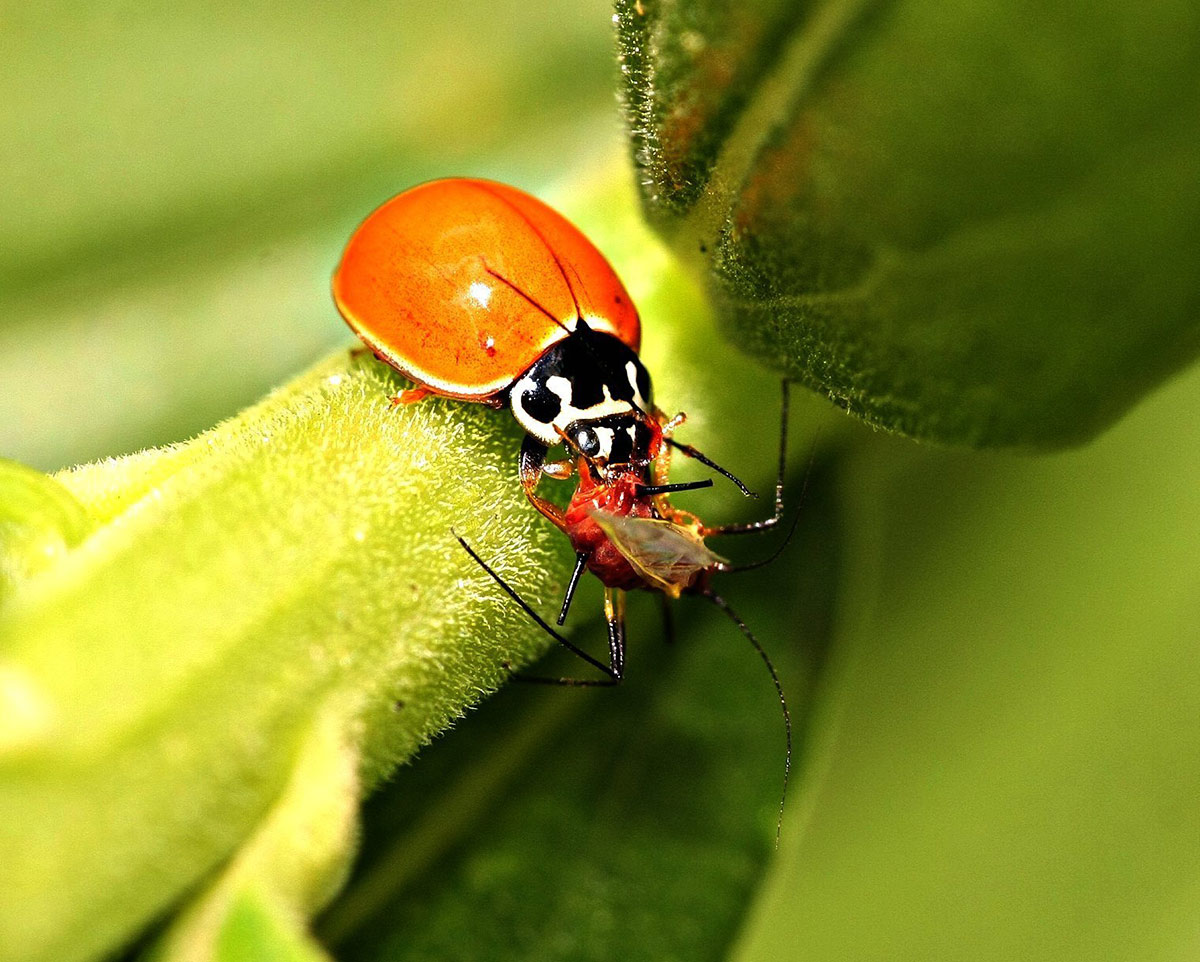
x=667 y=555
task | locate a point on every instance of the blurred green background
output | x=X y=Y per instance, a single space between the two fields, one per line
x=994 y=657
x=180 y=179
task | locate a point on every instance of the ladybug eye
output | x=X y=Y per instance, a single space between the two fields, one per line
x=587 y=442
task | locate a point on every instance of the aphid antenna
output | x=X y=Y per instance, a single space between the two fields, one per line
x=723 y=605
x=695 y=455
x=650 y=490
x=612 y=679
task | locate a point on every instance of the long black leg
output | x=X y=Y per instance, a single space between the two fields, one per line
x=767 y=523
x=580 y=562
x=723 y=605
x=763 y=562
x=614 y=614
x=613 y=672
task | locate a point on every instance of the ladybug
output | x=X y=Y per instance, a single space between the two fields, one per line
x=478 y=291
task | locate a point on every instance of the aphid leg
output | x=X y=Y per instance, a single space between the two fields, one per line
x=612 y=671
x=763 y=562
x=530 y=464
x=614 y=614
x=580 y=562
x=767 y=523
x=723 y=605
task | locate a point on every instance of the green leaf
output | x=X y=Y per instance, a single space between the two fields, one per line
x=259 y=906
x=257 y=931
x=1015 y=772
x=297 y=556
x=972 y=223
x=39 y=522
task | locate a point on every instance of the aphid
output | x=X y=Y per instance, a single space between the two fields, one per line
x=625 y=531
x=480 y=292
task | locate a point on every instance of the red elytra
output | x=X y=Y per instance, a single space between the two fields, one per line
x=462 y=284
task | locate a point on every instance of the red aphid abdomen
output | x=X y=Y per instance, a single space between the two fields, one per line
x=604 y=560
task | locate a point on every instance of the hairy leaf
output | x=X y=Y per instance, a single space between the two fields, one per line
x=972 y=223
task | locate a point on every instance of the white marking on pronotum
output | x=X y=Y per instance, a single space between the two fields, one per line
x=562 y=387
x=631 y=373
x=549 y=432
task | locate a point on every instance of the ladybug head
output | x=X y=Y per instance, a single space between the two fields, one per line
x=616 y=442
x=591 y=390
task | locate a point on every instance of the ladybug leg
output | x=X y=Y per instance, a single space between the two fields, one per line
x=559 y=470
x=612 y=671
x=670 y=425
x=530 y=464
x=410 y=396
x=660 y=473
x=767 y=523
x=580 y=563
x=661 y=469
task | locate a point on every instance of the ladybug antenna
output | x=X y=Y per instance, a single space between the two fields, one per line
x=723 y=605
x=504 y=280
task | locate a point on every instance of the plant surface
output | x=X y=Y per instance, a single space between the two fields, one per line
x=962 y=224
